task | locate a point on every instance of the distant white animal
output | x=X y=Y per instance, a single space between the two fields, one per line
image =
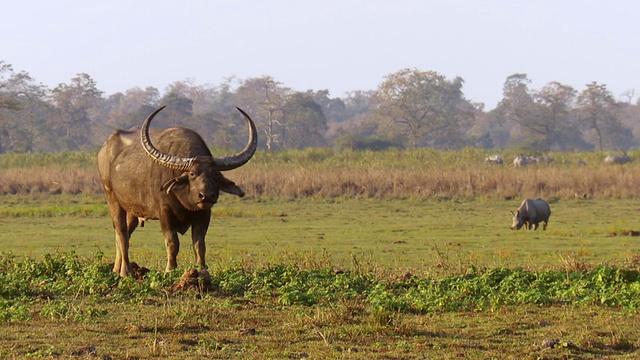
x=493 y=159
x=530 y=214
x=521 y=160
x=617 y=159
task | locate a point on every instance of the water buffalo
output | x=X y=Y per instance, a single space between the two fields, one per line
x=531 y=213
x=617 y=159
x=174 y=179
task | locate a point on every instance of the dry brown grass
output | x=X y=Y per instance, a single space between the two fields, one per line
x=480 y=182
x=266 y=181
x=50 y=179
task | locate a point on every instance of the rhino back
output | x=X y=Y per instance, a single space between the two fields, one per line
x=543 y=211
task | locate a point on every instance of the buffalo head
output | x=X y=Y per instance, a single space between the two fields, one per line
x=201 y=180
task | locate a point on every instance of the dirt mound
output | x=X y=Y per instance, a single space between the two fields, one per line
x=193 y=279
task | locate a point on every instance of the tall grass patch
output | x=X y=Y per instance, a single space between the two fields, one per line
x=392 y=174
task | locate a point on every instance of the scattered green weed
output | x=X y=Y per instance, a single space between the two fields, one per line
x=60 y=276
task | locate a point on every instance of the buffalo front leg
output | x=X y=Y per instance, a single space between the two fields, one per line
x=172 y=245
x=199 y=229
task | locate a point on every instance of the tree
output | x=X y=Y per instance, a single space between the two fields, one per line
x=74 y=103
x=556 y=125
x=305 y=122
x=179 y=107
x=131 y=108
x=629 y=94
x=598 y=111
x=23 y=110
x=420 y=107
x=629 y=117
x=264 y=98
x=224 y=99
x=553 y=122
x=8 y=80
x=334 y=109
x=204 y=98
x=539 y=120
x=518 y=113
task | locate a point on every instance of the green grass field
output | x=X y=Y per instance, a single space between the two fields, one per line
x=399 y=235
x=385 y=239
x=415 y=260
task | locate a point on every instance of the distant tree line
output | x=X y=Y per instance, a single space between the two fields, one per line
x=409 y=109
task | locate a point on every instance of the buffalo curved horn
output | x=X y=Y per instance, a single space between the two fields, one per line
x=183 y=163
x=162 y=158
x=235 y=161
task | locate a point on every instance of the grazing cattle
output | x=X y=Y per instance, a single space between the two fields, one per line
x=530 y=214
x=543 y=160
x=617 y=159
x=493 y=159
x=521 y=160
x=175 y=180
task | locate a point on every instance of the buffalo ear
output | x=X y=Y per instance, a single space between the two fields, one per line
x=230 y=187
x=175 y=183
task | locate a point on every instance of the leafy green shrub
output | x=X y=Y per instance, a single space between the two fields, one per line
x=61 y=279
x=13 y=311
x=297 y=293
x=382 y=298
x=233 y=280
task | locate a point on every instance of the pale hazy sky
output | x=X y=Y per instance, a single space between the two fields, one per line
x=338 y=45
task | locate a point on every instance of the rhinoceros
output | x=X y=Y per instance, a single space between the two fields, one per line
x=531 y=213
